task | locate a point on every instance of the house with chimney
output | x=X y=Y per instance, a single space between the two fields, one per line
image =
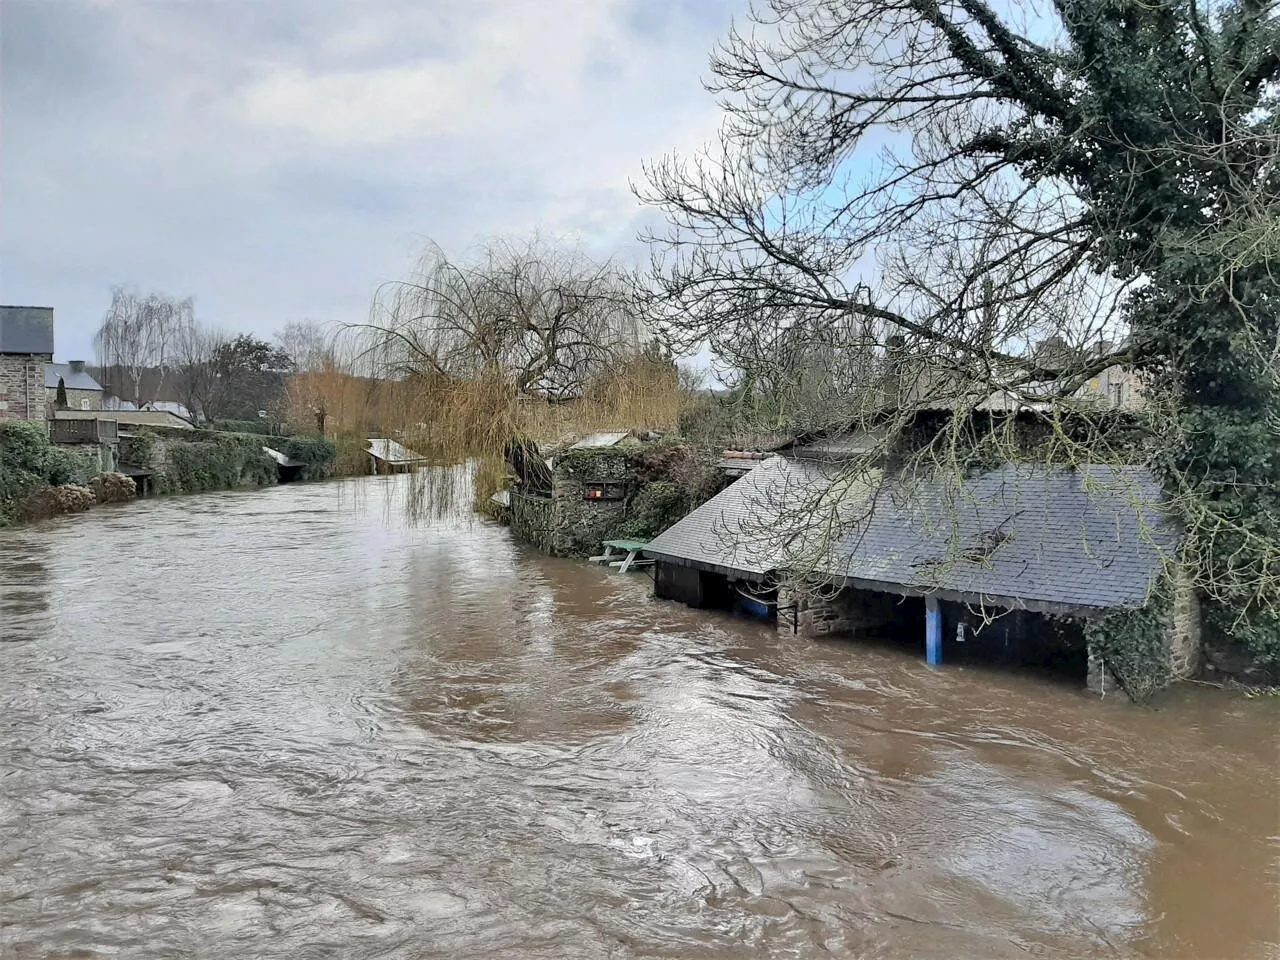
x=82 y=391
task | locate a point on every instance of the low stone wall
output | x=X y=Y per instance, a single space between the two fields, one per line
x=815 y=612
x=532 y=520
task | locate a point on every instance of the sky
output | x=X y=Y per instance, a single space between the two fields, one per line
x=278 y=159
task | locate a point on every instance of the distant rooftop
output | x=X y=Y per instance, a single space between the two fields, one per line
x=26 y=330
x=72 y=379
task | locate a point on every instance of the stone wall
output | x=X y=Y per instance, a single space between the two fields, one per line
x=75 y=398
x=22 y=386
x=1180 y=652
x=813 y=611
x=569 y=524
x=532 y=519
x=1185 y=635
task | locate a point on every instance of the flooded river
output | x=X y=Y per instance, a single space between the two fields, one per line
x=287 y=724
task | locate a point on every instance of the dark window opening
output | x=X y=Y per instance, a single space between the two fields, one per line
x=604 y=491
x=714 y=591
x=1017 y=640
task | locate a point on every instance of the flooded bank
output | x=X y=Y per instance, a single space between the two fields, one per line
x=287 y=724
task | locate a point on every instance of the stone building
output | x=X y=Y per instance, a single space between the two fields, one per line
x=83 y=392
x=26 y=346
x=578 y=498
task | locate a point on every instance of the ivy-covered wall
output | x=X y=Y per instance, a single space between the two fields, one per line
x=194 y=461
x=655 y=484
x=1140 y=651
x=30 y=466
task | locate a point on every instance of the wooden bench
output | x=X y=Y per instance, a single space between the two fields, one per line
x=629 y=548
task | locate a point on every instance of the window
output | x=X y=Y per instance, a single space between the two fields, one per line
x=1117 y=394
x=84 y=404
x=604 y=491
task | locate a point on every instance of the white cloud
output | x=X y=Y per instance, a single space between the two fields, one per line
x=281 y=162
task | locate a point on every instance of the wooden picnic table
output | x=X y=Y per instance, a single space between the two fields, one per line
x=624 y=563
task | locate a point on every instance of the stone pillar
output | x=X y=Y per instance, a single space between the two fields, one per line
x=1186 y=652
x=1096 y=679
x=828 y=615
x=813 y=611
x=788 y=615
x=1180 y=652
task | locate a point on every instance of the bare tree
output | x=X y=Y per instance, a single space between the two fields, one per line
x=137 y=333
x=963 y=180
x=539 y=318
x=308 y=343
x=193 y=351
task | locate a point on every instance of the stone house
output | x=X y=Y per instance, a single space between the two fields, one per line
x=83 y=392
x=26 y=346
x=1118 y=387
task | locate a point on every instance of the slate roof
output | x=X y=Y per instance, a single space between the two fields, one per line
x=282 y=459
x=592 y=440
x=1057 y=539
x=1027 y=535
x=26 y=330
x=73 y=380
x=126 y=418
x=734 y=531
x=393 y=452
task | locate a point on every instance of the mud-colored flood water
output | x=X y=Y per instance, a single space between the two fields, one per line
x=288 y=724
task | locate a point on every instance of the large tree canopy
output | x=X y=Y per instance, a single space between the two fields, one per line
x=963 y=179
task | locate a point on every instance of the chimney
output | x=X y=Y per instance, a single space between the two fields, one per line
x=895 y=356
x=77 y=366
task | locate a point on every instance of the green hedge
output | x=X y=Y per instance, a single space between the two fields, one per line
x=201 y=460
x=229 y=461
x=28 y=461
x=316 y=452
x=241 y=426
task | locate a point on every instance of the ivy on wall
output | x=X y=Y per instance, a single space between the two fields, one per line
x=1133 y=644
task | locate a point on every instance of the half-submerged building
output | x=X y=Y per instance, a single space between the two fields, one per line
x=1012 y=563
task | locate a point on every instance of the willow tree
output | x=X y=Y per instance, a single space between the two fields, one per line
x=962 y=179
x=488 y=342
x=137 y=334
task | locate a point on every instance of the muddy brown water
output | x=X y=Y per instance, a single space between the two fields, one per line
x=289 y=724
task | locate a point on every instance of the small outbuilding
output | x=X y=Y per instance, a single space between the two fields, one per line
x=1009 y=564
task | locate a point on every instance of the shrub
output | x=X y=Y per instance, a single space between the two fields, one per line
x=228 y=461
x=63 y=466
x=657 y=506
x=138 y=449
x=45 y=502
x=316 y=452
x=113 y=488
x=352 y=456
x=24 y=452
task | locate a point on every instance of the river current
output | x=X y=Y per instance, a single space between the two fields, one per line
x=292 y=723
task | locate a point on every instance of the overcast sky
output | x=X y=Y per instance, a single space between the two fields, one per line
x=277 y=159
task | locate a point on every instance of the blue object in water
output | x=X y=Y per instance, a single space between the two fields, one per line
x=752 y=607
x=932 y=631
